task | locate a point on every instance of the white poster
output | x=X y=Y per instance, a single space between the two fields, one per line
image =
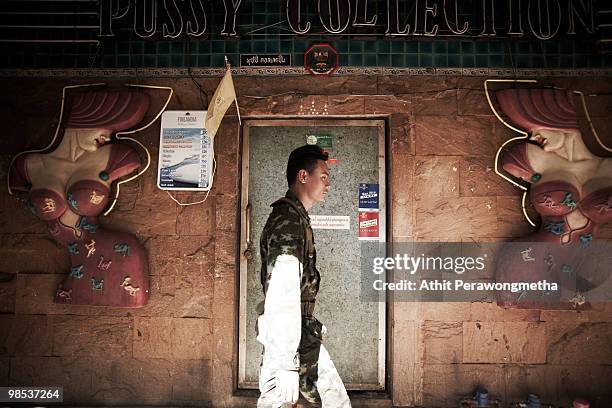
x=185 y=152
x=337 y=222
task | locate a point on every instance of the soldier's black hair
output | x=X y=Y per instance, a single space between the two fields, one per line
x=304 y=157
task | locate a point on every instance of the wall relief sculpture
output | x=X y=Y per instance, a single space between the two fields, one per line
x=569 y=186
x=70 y=184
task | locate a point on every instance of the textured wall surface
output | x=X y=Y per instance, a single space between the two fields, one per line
x=180 y=348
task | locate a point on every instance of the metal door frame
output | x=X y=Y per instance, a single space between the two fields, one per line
x=244 y=227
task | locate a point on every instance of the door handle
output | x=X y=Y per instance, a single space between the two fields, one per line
x=248 y=252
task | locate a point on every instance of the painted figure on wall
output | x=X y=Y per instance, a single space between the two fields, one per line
x=570 y=188
x=69 y=188
x=294 y=358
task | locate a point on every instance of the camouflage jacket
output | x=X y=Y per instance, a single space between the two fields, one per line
x=288 y=232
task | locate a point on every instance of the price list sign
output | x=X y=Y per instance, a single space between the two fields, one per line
x=185 y=152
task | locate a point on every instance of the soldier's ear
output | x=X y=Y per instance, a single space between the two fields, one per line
x=302 y=176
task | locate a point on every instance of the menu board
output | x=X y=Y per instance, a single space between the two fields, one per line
x=185 y=152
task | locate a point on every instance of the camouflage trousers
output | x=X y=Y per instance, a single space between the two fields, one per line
x=319 y=381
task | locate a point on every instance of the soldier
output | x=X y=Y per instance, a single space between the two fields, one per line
x=294 y=358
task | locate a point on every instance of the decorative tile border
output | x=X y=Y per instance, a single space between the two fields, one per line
x=299 y=71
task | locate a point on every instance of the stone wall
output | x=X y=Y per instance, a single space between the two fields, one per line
x=181 y=348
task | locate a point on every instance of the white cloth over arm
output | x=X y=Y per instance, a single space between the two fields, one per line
x=280 y=326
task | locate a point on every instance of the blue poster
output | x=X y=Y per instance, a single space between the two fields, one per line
x=368 y=196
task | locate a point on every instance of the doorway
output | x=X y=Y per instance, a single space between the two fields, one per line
x=356 y=337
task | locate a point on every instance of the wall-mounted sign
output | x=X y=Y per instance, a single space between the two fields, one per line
x=541 y=19
x=321 y=59
x=369 y=228
x=336 y=222
x=368 y=196
x=265 y=60
x=185 y=152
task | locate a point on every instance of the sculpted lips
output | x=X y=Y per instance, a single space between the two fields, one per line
x=539 y=139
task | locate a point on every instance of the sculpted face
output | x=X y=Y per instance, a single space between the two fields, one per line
x=91 y=139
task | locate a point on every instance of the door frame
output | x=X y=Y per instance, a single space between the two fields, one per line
x=383 y=328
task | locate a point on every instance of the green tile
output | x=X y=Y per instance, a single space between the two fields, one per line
x=39 y=63
x=218 y=60
x=523 y=47
x=496 y=61
x=177 y=61
x=566 y=61
x=552 y=61
x=440 y=61
x=341 y=45
x=369 y=60
x=150 y=47
x=259 y=19
x=481 y=47
x=231 y=46
x=552 y=47
x=177 y=48
x=273 y=7
x=245 y=47
x=286 y=46
x=259 y=47
x=496 y=47
x=523 y=61
x=581 y=61
x=150 y=61
x=123 y=61
x=123 y=47
x=411 y=47
x=272 y=46
x=355 y=60
x=356 y=46
x=538 y=61
x=453 y=47
x=482 y=61
x=454 y=60
x=108 y=61
x=344 y=60
x=163 y=61
x=203 y=60
x=234 y=59
x=204 y=47
x=260 y=7
x=137 y=60
x=397 y=60
x=397 y=46
x=596 y=61
x=137 y=47
x=303 y=45
x=467 y=61
x=218 y=47
x=55 y=61
x=425 y=47
x=383 y=46
x=566 y=47
x=384 y=60
x=440 y=47
x=369 y=46
x=425 y=60
x=467 y=47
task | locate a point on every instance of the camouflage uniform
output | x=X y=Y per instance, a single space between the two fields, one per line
x=287 y=235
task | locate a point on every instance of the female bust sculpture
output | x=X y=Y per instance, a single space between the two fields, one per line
x=571 y=189
x=69 y=188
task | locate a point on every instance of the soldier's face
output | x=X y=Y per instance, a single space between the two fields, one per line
x=317 y=182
